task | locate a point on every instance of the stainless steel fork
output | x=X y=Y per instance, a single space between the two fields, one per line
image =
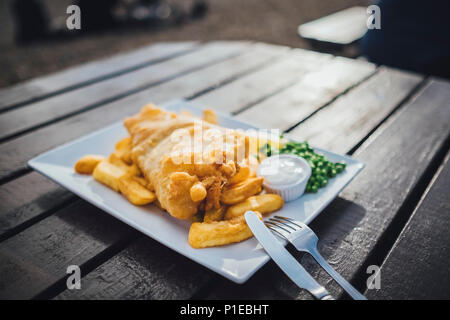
x=304 y=239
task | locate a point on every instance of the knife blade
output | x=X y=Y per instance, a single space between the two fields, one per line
x=291 y=267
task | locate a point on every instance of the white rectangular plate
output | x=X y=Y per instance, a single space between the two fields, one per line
x=237 y=262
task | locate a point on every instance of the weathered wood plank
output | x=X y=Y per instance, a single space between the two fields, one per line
x=397 y=155
x=119 y=265
x=18 y=204
x=417 y=265
x=38 y=257
x=313 y=91
x=46 y=111
x=224 y=72
x=26 y=198
x=13 y=159
x=401 y=84
x=145 y=270
x=343 y=204
x=115 y=274
x=247 y=90
x=88 y=73
x=345 y=122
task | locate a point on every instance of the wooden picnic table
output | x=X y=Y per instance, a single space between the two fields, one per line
x=394 y=215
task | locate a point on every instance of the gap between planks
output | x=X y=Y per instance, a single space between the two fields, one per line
x=142 y=56
x=203 y=291
x=31 y=117
x=150 y=93
x=263 y=56
x=251 y=75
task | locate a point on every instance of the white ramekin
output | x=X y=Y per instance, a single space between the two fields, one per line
x=291 y=191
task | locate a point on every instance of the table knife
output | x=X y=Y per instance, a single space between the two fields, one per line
x=291 y=267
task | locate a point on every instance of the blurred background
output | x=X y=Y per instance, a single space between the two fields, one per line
x=35 y=40
x=128 y=24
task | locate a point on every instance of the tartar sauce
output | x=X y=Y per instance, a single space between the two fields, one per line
x=285 y=175
x=282 y=170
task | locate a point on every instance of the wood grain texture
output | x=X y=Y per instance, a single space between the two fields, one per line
x=88 y=73
x=43 y=112
x=32 y=195
x=145 y=270
x=112 y=270
x=342 y=124
x=28 y=197
x=36 y=258
x=313 y=91
x=221 y=72
x=417 y=265
x=396 y=157
x=13 y=159
x=242 y=93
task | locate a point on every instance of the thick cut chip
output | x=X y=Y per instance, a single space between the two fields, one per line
x=132 y=169
x=242 y=174
x=87 y=164
x=210 y=116
x=239 y=192
x=219 y=233
x=123 y=150
x=134 y=191
x=263 y=203
x=109 y=174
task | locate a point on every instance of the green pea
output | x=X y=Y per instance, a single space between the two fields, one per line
x=314 y=188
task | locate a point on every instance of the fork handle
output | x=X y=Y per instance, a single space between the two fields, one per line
x=336 y=276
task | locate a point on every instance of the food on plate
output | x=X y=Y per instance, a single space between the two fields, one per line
x=109 y=174
x=263 y=203
x=198 y=192
x=322 y=169
x=217 y=233
x=214 y=214
x=242 y=173
x=164 y=149
x=236 y=193
x=193 y=169
x=210 y=116
x=285 y=175
x=134 y=191
x=87 y=164
x=123 y=150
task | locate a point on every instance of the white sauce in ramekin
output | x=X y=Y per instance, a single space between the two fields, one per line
x=285 y=175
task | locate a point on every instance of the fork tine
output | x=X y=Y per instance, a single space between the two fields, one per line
x=283 y=223
x=286 y=219
x=274 y=229
x=287 y=222
x=277 y=225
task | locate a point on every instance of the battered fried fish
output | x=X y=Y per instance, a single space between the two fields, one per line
x=179 y=155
